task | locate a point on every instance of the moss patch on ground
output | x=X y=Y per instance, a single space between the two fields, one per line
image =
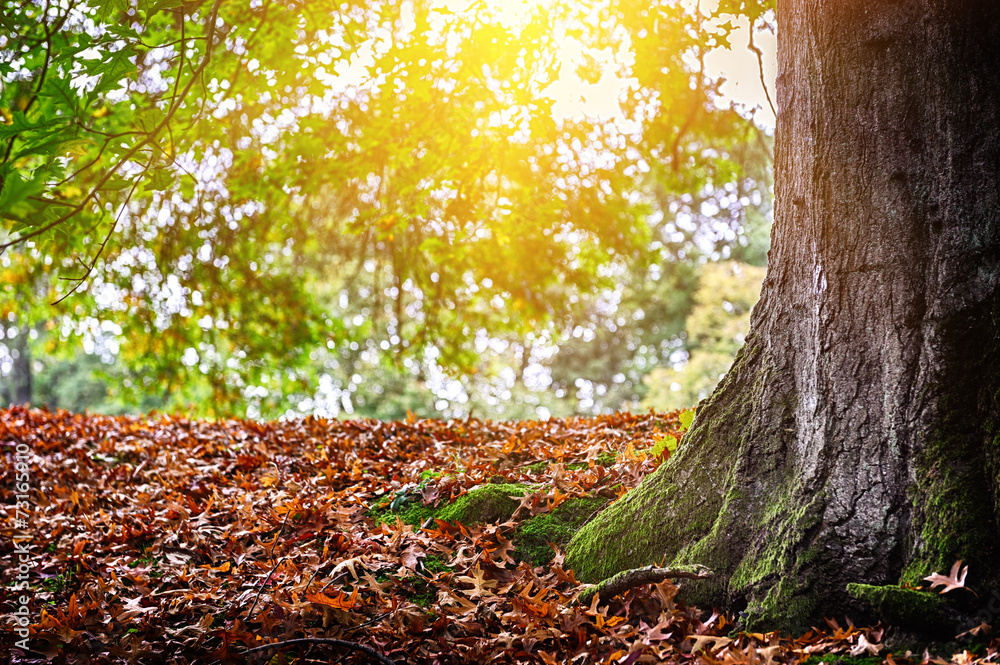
x=908 y=608
x=834 y=659
x=485 y=504
x=492 y=503
x=606 y=459
x=408 y=508
x=533 y=536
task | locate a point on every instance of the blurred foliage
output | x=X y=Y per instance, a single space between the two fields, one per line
x=715 y=330
x=363 y=207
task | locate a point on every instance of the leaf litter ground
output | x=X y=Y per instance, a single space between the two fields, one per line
x=168 y=540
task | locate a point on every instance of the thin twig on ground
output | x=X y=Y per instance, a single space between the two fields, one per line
x=276 y=564
x=353 y=646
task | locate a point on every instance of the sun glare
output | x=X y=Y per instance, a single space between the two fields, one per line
x=574 y=98
x=509 y=13
x=513 y=12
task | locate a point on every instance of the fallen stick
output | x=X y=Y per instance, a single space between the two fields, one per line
x=353 y=646
x=634 y=577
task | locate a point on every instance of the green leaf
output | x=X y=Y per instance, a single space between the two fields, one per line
x=50 y=148
x=686 y=418
x=667 y=443
x=106 y=8
x=151 y=7
x=19 y=123
x=160 y=179
x=116 y=182
x=150 y=119
x=14 y=198
x=114 y=70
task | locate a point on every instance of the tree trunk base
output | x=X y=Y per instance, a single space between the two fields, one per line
x=737 y=498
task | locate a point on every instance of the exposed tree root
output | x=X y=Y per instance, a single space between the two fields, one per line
x=634 y=577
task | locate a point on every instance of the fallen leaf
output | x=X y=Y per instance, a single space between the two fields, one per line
x=478 y=581
x=953 y=581
x=865 y=647
x=339 y=602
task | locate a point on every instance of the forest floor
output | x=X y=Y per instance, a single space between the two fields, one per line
x=168 y=540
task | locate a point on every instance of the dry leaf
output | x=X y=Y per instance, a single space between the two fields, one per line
x=953 y=581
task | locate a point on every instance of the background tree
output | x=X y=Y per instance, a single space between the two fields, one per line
x=855 y=439
x=714 y=331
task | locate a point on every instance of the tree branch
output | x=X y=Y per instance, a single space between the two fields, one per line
x=100 y=250
x=760 y=68
x=150 y=137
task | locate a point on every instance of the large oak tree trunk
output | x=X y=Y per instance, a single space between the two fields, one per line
x=857 y=436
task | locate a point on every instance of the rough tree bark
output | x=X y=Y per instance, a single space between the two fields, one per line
x=857 y=436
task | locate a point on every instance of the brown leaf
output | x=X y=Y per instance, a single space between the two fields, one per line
x=478 y=581
x=865 y=647
x=952 y=581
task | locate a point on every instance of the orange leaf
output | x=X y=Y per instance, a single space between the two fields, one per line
x=340 y=602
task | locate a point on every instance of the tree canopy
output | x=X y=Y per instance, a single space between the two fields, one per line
x=236 y=198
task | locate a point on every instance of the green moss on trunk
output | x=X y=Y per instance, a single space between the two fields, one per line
x=695 y=510
x=954 y=503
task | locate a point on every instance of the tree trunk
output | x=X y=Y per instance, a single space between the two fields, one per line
x=18 y=388
x=857 y=436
